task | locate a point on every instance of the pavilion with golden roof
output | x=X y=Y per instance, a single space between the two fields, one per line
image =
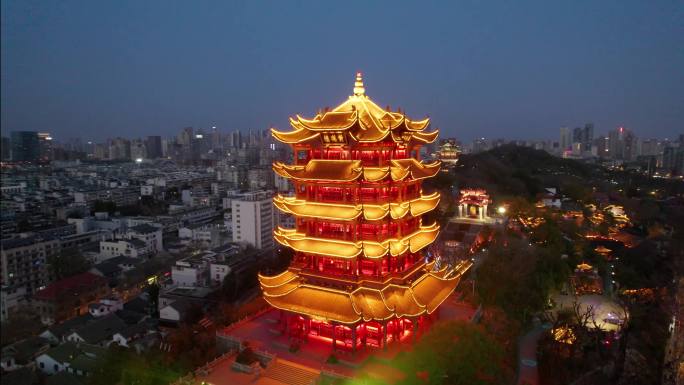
x=360 y=276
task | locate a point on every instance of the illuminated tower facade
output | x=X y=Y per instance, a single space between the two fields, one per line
x=359 y=276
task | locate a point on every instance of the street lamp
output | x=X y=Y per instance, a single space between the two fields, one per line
x=501 y=210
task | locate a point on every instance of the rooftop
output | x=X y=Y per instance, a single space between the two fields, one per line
x=144 y=228
x=70 y=285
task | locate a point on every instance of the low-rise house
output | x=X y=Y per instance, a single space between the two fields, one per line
x=175 y=304
x=57 y=333
x=69 y=297
x=132 y=334
x=192 y=271
x=113 y=268
x=105 y=307
x=550 y=198
x=21 y=376
x=98 y=332
x=175 y=312
x=77 y=359
x=140 y=304
x=23 y=353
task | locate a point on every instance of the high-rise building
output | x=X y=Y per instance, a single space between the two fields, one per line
x=186 y=136
x=153 y=145
x=622 y=144
x=673 y=160
x=577 y=135
x=45 y=146
x=6 y=148
x=565 y=139
x=359 y=276
x=101 y=151
x=253 y=219
x=138 y=150
x=587 y=136
x=582 y=138
x=119 y=149
x=650 y=147
x=602 y=145
x=25 y=146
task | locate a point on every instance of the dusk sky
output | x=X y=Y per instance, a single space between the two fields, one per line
x=514 y=69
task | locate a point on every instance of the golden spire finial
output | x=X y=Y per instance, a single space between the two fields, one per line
x=359 y=90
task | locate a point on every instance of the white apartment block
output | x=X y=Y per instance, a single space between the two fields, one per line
x=253 y=219
x=150 y=234
x=129 y=248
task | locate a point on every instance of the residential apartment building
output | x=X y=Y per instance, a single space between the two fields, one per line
x=253 y=219
x=23 y=262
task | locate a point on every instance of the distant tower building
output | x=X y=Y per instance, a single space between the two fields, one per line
x=565 y=139
x=185 y=137
x=6 y=148
x=101 y=151
x=577 y=135
x=236 y=141
x=119 y=149
x=45 y=150
x=153 y=145
x=673 y=160
x=622 y=144
x=25 y=146
x=602 y=147
x=650 y=147
x=138 y=150
x=587 y=136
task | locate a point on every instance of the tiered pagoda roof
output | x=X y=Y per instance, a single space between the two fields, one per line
x=413 y=242
x=350 y=212
x=360 y=119
x=289 y=291
x=324 y=170
x=475 y=197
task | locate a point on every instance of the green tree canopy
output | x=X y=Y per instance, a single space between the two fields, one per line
x=457 y=352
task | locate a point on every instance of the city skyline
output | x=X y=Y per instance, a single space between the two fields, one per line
x=236 y=67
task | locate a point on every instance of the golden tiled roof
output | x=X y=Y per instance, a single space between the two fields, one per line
x=363 y=303
x=349 y=212
x=361 y=119
x=326 y=170
x=347 y=249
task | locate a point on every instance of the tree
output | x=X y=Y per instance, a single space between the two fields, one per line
x=517 y=277
x=104 y=206
x=67 y=263
x=457 y=352
x=121 y=366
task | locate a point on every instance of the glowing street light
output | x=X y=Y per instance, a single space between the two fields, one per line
x=138 y=160
x=501 y=210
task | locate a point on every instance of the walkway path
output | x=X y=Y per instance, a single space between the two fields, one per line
x=527 y=352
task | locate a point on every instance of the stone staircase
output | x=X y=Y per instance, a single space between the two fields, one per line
x=291 y=373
